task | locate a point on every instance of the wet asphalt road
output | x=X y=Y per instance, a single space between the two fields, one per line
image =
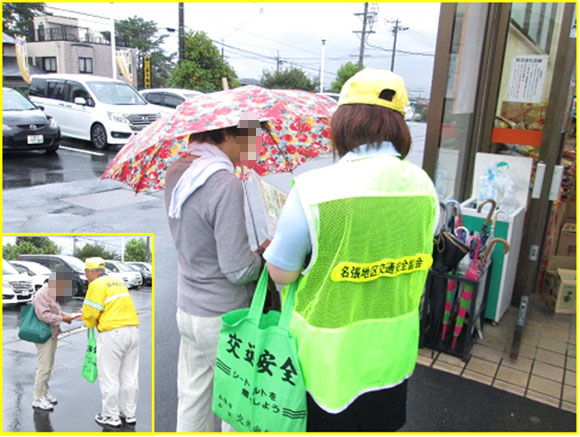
x=34 y=201
x=26 y=169
x=33 y=168
x=79 y=400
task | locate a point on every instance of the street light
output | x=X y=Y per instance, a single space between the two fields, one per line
x=322 y=67
x=113 y=44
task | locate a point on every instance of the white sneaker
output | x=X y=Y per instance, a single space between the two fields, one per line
x=115 y=422
x=131 y=420
x=51 y=399
x=42 y=404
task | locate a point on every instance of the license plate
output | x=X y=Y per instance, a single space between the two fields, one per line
x=25 y=293
x=35 y=139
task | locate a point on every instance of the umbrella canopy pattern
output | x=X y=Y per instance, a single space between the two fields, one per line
x=298 y=130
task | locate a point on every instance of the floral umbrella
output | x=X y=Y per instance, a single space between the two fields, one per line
x=298 y=124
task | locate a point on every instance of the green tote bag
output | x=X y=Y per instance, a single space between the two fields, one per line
x=89 y=371
x=258 y=384
x=31 y=327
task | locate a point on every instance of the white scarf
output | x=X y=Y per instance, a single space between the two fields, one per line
x=211 y=160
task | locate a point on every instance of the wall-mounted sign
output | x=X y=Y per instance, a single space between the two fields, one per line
x=527 y=78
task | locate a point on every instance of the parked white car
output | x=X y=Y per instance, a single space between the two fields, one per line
x=119 y=270
x=16 y=287
x=167 y=99
x=94 y=108
x=37 y=273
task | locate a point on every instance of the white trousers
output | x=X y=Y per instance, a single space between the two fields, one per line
x=45 y=356
x=195 y=371
x=118 y=367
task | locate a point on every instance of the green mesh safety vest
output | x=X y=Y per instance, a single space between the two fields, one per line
x=356 y=315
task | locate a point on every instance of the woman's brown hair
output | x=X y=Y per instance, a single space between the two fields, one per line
x=357 y=124
x=218 y=136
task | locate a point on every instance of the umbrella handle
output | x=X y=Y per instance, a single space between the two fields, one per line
x=463 y=238
x=450 y=213
x=491 y=210
x=492 y=242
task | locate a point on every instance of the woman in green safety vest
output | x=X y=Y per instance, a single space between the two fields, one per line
x=358 y=237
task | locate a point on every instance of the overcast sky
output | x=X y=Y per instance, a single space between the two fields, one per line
x=259 y=32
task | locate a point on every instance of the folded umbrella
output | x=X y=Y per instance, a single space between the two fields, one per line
x=483 y=234
x=467 y=293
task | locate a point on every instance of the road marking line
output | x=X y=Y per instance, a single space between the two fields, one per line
x=72 y=149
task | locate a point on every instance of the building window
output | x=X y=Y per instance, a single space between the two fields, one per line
x=86 y=65
x=49 y=64
x=536 y=22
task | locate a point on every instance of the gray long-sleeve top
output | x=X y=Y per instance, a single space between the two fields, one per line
x=216 y=267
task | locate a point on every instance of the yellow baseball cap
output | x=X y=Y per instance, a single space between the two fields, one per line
x=95 y=263
x=366 y=86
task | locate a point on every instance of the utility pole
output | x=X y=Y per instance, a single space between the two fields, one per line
x=181 y=35
x=368 y=18
x=396 y=29
x=278 y=62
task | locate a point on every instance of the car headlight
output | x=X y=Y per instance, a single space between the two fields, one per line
x=53 y=124
x=118 y=117
x=6 y=128
x=6 y=284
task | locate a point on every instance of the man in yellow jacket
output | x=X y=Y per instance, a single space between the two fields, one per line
x=109 y=306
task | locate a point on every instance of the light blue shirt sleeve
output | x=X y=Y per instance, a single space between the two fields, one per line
x=291 y=243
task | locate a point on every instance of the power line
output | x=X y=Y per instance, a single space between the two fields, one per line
x=272 y=58
x=48 y=6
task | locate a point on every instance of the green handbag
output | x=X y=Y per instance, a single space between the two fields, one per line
x=89 y=371
x=258 y=384
x=31 y=327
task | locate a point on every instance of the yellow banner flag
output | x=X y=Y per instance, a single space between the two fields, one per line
x=125 y=65
x=22 y=57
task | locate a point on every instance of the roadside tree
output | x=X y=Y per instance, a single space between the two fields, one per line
x=136 y=250
x=93 y=250
x=202 y=68
x=137 y=33
x=344 y=73
x=17 y=18
x=290 y=78
x=30 y=245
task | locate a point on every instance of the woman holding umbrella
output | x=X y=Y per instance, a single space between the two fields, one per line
x=364 y=226
x=216 y=266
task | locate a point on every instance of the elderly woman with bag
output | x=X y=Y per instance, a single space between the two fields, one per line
x=364 y=228
x=47 y=309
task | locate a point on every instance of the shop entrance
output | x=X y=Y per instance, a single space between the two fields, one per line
x=504 y=85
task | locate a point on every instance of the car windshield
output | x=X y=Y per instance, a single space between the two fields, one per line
x=37 y=268
x=123 y=267
x=76 y=264
x=189 y=94
x=14 y=101
x=8 y=269
x=116 y=93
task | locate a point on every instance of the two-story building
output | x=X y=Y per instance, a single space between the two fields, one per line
x=60 y=45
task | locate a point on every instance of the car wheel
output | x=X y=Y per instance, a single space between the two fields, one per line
x=52 y=149
x=99 y=136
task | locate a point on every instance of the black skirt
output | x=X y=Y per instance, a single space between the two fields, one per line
x=377 y=411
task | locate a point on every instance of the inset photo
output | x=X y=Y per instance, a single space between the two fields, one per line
x=77 y=333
